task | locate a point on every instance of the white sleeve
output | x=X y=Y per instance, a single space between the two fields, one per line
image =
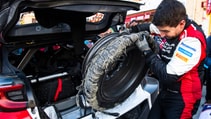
x=185 y=57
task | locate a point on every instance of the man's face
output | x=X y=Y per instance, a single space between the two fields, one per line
x=171 y=32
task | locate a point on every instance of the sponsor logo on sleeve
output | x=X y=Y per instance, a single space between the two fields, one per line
x=184 y=52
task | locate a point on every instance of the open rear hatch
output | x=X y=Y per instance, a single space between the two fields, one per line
x=59 y=19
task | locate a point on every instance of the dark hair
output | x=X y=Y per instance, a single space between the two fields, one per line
x=169 y=13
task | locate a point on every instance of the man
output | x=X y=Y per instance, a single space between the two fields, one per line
x=208 y=76
x=178 y=67
x=206 y=110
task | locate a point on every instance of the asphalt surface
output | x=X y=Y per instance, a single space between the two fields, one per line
x=196 y=116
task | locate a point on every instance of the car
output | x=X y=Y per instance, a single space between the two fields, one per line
x=56 y=65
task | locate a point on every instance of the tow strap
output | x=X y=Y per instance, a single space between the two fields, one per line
x=58 y=90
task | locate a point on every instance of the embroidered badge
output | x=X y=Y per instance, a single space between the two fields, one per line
x=181 y=57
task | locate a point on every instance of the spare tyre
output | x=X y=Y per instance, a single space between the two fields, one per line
x=112 y=72
x=97 y=45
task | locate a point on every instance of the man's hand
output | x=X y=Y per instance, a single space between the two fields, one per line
x=142 y=42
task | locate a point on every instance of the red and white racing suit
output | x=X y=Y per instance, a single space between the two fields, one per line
x=178 y=69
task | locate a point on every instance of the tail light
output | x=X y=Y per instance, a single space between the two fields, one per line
x=12 y=94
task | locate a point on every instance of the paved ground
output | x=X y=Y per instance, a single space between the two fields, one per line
x=202 y=102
